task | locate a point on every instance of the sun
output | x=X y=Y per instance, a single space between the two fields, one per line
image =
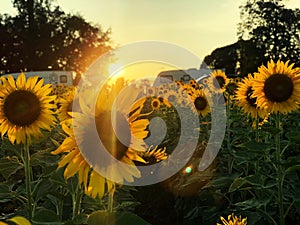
x=115 y=69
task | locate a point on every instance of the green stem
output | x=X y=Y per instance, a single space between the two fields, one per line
x=228 y=113
x=28 y=178
x=280 y=176
x=256 y=127
x=269 y=217
x=76 y=199
x=110 y=201
x=60 y=204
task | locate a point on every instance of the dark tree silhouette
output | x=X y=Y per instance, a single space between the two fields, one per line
x=267 y=31
x=42 y=36
x=272 y=28
x=240 y=58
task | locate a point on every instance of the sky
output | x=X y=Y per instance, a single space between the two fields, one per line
x=199 y=26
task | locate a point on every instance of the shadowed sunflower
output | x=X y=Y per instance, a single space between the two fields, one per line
x=76 y=164
x=170 y=98
x=231 y=88
x=217 y=81
x=151 y=91
x=277 y=87
x=233 y=220
x=245 y=99
x=200 y=101
x=26 y=108
x=125 y=115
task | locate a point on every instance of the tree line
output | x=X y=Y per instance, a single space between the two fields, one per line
x=267 y=30
x=42 y=36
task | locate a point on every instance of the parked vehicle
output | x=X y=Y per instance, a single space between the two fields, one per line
x=51 y=77
x=181 y=75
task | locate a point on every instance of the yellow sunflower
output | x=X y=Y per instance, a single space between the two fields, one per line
x=126 y=151
x=233 y=220
x=277 y=87
x=76 y=164
x=65 y=103
x=154 y=155
x=26 y=108
x=217 y=81
x=246 y=101
x=155 y=104
x=200 y=101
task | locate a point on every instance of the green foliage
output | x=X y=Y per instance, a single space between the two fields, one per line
x=246 y=181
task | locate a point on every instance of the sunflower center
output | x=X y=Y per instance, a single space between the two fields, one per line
x=22 y=108
x=110 y=135
x=278 y=88
x=171 y=98
x=155 y=104
x=219 y=82
x=251 y=101
x=200 y=103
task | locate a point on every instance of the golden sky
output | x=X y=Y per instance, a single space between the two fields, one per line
x=199 y=26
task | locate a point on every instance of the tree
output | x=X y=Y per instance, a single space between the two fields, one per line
x=272 y=28
x=241 y=58
x=41 y=36
x=267 y=31
x=223 y=58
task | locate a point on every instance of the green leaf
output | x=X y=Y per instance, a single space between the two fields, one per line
x=115 y=218
x=237 y=184
x=272 y=130
x=46 y=216
x=7 y=146
x=292 y=168
x=42 y=188
x=253 y=203
x=248 y=182
x=5 y=192
x=223 y=181
x=43 y=158
x=293 y=136
x=8 y=167
x=255 y=146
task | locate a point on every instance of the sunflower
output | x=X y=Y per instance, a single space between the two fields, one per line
x=26 y=108
x=127 y=150
x=170 y=98
x=66 y=104
x=233 y=220
x=200 y=101
x=217 y=81
x=246 y=101
x=151 y=91
x=231 y=88
x=155 y=103
x=277 y=87
x=76 y=164
x=204 y=81
x=154 y=155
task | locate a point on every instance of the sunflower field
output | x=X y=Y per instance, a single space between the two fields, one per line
x=53 y=169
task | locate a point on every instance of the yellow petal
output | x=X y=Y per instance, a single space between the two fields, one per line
x=19 y=220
